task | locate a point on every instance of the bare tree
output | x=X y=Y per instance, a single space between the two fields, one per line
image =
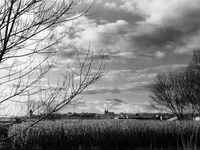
x=28 y=50
x=179 y=91
x=169 y=91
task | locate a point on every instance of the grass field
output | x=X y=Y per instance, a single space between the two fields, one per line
x=106 y=134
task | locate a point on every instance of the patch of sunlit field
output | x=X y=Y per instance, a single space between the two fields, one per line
x=105 y=134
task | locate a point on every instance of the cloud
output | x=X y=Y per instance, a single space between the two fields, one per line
x=171 y=25
x=116 y=74
x=105 y=90
x=115 y=101
x=133 y=107
x=128 y=75
x=100 y=105
x=166 y=13
x=110 y=38
x=166 y=68
x=83 y=108
x=163 y=68
x=127 y=107
x=151 y=36
x=159 y=54
x=190 y=43
x=167 y=25
x=135 y=87
x=142 y=76
x=125 y=88
x=110 y=5
x=118 y=100
x=112 y=104
x=69 y=54
x=126 y=55
x=107 y=37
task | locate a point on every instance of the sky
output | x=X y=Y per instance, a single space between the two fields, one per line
x=139 y=39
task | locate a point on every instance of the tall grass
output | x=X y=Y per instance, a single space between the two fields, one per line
x=105 y=134
x=3 y=134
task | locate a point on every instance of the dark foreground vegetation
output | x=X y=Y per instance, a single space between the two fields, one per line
x=105 y=134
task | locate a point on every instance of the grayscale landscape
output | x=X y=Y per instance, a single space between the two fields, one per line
x=100 y=74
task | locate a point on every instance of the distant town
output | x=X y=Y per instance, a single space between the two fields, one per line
x=106 y=115
x=110 y=115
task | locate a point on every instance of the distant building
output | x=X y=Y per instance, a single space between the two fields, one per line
x=107 y=113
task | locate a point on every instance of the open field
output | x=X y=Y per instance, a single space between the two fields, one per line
x=106 y=134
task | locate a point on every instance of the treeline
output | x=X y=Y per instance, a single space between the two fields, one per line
x=179 y=91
